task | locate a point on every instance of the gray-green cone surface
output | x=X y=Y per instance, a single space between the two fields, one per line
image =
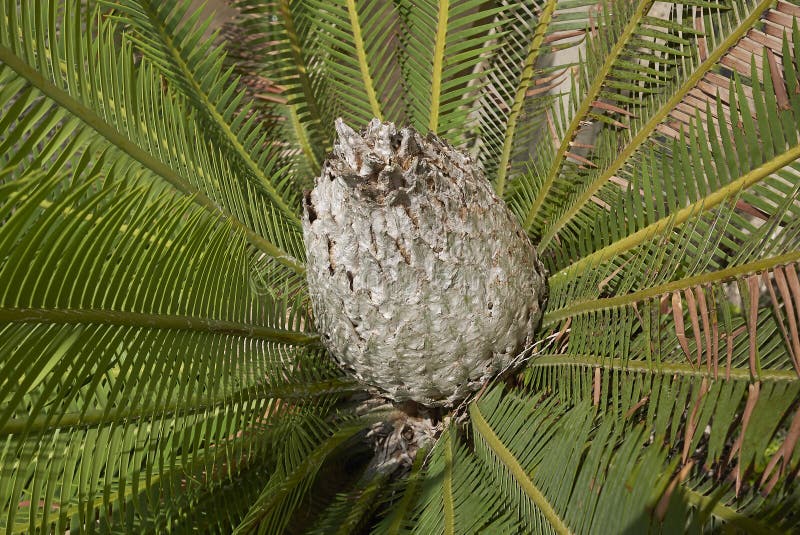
x=421 y=280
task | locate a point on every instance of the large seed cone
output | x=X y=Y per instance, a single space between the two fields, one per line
x=422 y=281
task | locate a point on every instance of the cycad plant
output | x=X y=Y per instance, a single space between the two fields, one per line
x=159 y=366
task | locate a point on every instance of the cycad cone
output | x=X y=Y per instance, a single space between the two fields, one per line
x=421 y=280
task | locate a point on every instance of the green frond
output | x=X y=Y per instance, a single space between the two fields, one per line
x=406 y=490
x=584 y=470
x=690 y=341
x=730 y=436
x=282 y=35
x=517 y=74
x=692 y=112
x=306 y=449
x=456 y=496
x=359 y=56
x=673 y=305
x=82 y=316
x=739 y=315
x=120 y=260
x=288 y=137
x=194 y=65
x=715 y=45
x=217 y=509
x=443 y=43
x=631 y=62
x=561 y=472
x=755 y=512
x=608 y=48
x=350 y=512
x=113 y=97
x=525 y=81
x=758 y=177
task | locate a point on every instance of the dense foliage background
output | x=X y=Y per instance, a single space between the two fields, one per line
x=158 y=365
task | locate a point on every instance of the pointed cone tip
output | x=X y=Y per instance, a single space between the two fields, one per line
x=344 y=131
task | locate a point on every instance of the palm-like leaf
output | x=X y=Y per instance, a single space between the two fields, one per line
x=140 y=382
x=157 y=365
x=195 y=67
